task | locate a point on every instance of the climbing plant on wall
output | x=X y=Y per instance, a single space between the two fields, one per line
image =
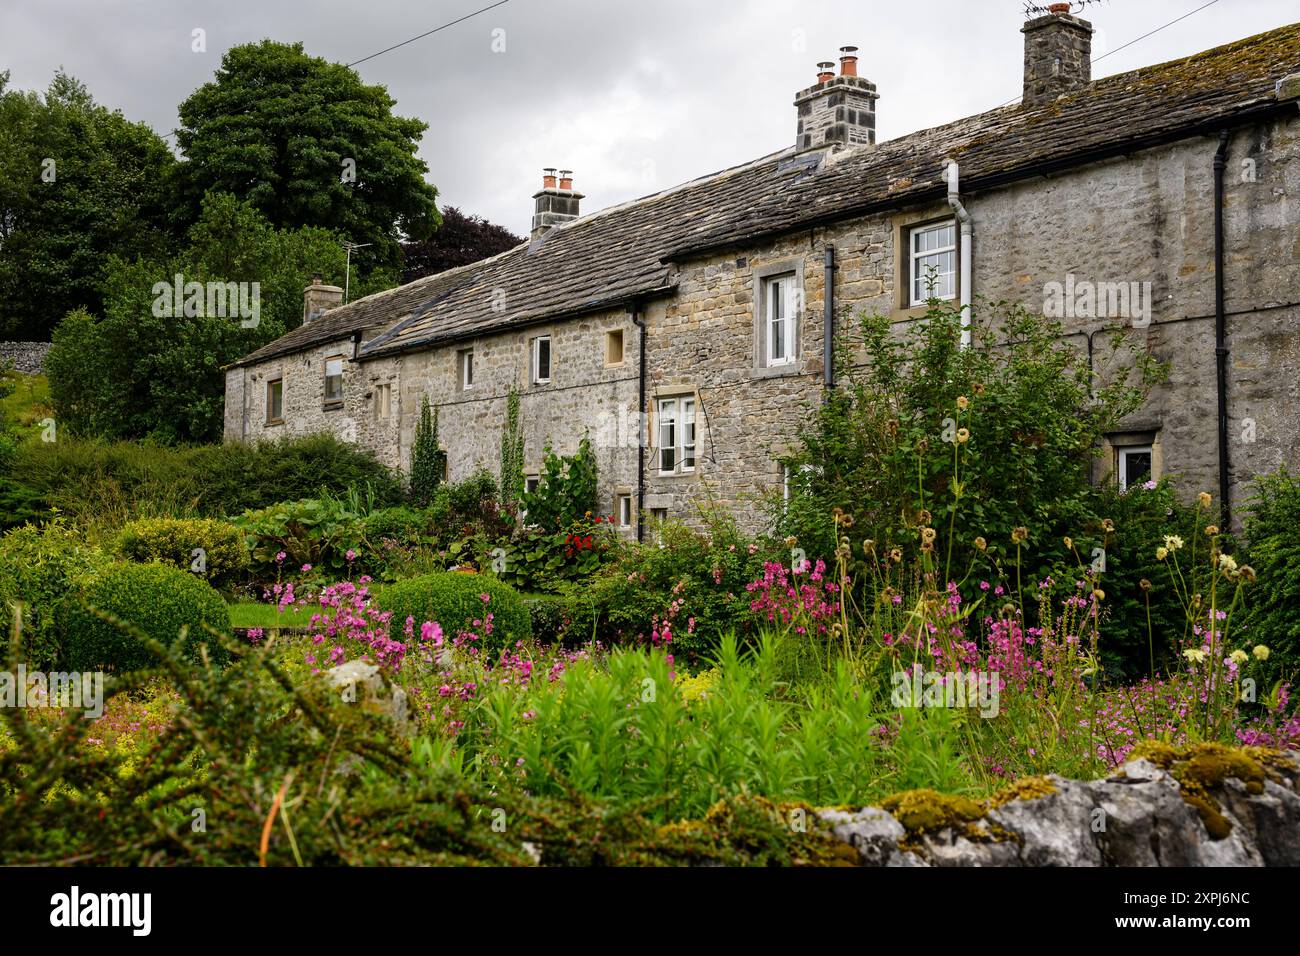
x=512 y=454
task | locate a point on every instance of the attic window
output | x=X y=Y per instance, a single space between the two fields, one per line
x=334 y=380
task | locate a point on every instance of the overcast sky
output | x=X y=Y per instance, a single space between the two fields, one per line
x=632 y=96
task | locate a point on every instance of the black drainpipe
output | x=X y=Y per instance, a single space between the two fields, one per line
x=828 y=321
x=1220 y=333
x=641 y=423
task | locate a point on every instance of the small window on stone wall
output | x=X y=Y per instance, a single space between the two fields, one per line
x=932 y=263
x=624 y=511
x=334 y=380
x=275 y=401
x=467 y=368
x=614 y=347
x=541 y=360
x=1134 y=465
x=383 y=400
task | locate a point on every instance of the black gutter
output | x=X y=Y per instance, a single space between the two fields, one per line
x=604 y=305
x=641 y=422
x=1207 y=127
x=1220 y=334
x=828 y=320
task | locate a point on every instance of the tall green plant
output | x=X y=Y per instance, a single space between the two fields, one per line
x=426 y=456
x=512 y=455
x=566 y=489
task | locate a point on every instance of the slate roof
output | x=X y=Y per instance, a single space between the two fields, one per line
x=608 y=257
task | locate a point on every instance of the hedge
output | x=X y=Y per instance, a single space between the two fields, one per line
x=454 y=600
x=158 y=599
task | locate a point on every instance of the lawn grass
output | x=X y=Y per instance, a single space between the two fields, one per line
x=29 y=403
x=255 y=614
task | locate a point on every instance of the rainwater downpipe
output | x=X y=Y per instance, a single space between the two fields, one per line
x=1221 y=333
x=828 y=321
x=967 y=231
x=642 y=421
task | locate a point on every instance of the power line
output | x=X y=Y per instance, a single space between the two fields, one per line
x=438 y=29
x=1131 y=42
x=431 y=32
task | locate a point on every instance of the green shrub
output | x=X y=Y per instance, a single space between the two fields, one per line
x=38 y=565
x=158 y=599
x=118 y=482
x=175 y=541
x=454 y=600
x=973 y=441
x=401 y=525
x=315 y=531
x=696 y=582
x=1272 y=613
x=20 y=504
x=551 y=616
x=1142 y=518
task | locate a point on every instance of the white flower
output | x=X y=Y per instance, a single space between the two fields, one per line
x=1260 y=652
x=1195 y=655
x=1173 y=542
x=1239 y=656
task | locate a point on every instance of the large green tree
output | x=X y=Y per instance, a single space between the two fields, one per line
x=132 y=372
x=77 y=181
x=308 y=144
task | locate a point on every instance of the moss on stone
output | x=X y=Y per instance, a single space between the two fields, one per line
x=1026 y=788
x=1201 y=769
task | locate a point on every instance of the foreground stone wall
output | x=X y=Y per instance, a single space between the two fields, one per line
x=1152 y=812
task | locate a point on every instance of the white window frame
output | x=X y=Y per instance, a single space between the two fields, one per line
x=778 y=291
x=535 y=361
x=1122 y=452
x=466 y=369
x=326 y=380
x=919 y=297
x=676 y=432
x=383 y=400
x=623 y=510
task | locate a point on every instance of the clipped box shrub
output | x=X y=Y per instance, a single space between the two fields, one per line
x=212 y=549
x=157 y=599
x=455 y=600
x=38 y=566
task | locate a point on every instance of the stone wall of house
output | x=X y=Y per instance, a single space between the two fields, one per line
x=303 y=410
x=1149 y=218
x=1146 y=218
x=585 y=397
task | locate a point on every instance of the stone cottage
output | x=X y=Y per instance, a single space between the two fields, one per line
x=686 y=331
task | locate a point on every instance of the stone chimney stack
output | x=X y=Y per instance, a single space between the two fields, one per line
x=554 y=203
x=317 y=299
x=837 y=109
x=1058 y=55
